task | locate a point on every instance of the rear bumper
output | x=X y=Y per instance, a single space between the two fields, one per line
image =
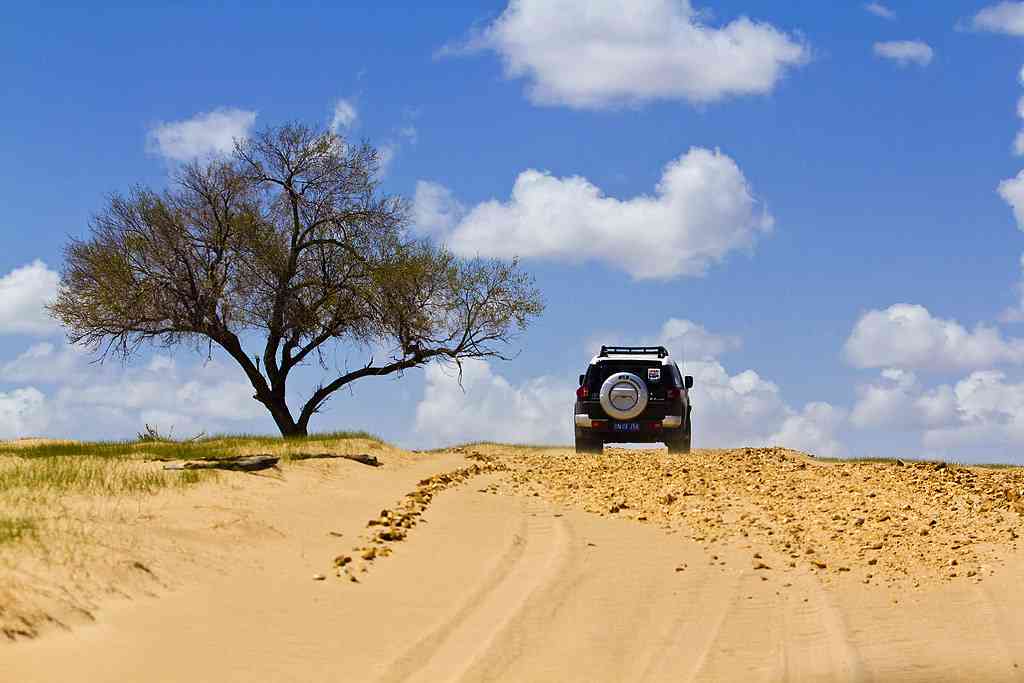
x=646 y=426
x=656 y=409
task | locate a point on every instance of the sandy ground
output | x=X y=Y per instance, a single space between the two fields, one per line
x=540 y=565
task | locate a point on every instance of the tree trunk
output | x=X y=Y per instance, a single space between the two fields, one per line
x=293 y=432
x=283 y=418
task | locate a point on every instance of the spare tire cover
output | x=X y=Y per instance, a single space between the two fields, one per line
x=623 y=396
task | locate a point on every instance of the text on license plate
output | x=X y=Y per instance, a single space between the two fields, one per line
x=625 y=426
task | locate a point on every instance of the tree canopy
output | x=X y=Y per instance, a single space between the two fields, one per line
x=287 y=241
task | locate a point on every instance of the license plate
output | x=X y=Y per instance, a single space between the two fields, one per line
x=625 y=426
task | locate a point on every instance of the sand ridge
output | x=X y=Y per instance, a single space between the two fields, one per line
x=538 y=564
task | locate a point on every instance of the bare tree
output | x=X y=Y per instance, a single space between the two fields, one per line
x=287 y=243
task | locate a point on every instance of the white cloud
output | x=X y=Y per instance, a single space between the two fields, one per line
x=687 y=340
x=897 y=401
x=599 y=53
x=937 y=406
x=1012 y=192
x=23 y=294
x=1015 y=314
x=208 y=134
x=386 y=155
x=702 y=209
x=1018 y=142
x=684 y=339
x=210 y=390
x=812 y=430
x=746 y=409
x=45 y=363
x=979 y=418
x=880 y=10
x=985 y=394
x=344 y=116
x=991 y=418
x=883 y=404
x=733 y=410
x=23 y=412
x=908 y=336
x=905 y=52
x=435 y=210
x=87 y=399
x=1003 y=17
x=491 y=408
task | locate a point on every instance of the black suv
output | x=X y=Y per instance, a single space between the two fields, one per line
x=633 y=394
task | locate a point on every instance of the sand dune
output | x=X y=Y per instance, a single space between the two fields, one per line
x=543 y=565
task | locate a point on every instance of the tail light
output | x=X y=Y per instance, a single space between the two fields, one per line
x=672 y=394
x=581 y=393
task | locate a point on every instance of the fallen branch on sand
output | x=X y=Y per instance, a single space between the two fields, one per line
x=364 y=458
x=253 y=463
x=249 y=463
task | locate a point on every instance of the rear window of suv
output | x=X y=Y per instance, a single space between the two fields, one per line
x=667 y=376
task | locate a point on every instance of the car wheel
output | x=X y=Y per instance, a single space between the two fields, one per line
x=586 y=443
x=679 y=442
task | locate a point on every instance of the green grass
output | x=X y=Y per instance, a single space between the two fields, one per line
x=919 y=461
x=113 y=468
x=14 y=529
x=274 y=439
x=39 y=482
x=89 y=476
x=824 y=458
x=201 y=449
x=992 y=465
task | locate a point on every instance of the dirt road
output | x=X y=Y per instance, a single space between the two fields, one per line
x=631 y=566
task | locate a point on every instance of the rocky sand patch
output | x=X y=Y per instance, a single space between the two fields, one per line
x=886 y=521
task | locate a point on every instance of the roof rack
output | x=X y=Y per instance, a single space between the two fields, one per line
x=660 y=351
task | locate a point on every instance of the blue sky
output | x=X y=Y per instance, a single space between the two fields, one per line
x=879 y=174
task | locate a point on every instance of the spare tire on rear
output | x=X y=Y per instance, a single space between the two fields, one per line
x=623 y=396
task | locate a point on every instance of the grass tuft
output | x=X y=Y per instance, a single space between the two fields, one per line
x=16 y=528
x=200 y=449
x=918 y=461
x=95 y=476
x=115 y=468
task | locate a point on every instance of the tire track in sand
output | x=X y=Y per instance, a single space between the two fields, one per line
x=535 y=556
x=953 y=635
x=778 y=636
x=818 y=645
x=704 y=607
x=748 y=631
